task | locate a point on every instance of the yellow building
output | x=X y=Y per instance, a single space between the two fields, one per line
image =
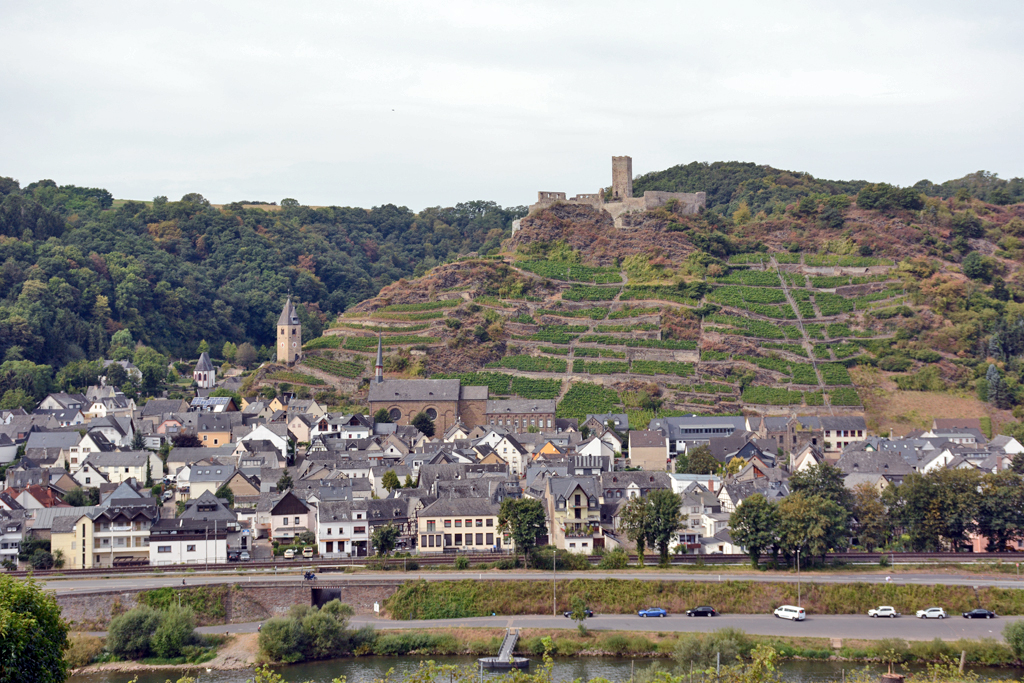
x=466 y=524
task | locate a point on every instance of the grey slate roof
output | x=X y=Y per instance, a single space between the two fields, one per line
x=288 y=314
x=204 y=364
x=415 y=390
x=118 y=459
x=443 y=507
x=620 y=421
x=521 y=406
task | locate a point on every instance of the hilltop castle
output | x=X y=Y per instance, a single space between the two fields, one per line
x=621 y=199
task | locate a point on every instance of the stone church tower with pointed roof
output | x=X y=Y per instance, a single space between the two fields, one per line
x=289 y=335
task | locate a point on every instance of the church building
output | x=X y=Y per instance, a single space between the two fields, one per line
x=289 y=335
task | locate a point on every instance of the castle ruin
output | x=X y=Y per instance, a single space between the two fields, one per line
x=620 y=196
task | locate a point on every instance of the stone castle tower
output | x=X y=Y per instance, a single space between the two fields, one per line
x=622 y=178
x=289 y=335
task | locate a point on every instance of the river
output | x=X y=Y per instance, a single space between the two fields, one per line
x=617 y=670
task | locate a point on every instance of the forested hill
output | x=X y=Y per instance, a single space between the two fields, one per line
x=730 y=183
x=77 y=267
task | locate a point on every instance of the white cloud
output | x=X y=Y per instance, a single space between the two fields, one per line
x=433 y=103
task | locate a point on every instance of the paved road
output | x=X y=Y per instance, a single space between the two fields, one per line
x=99 y=584
x=847 y=626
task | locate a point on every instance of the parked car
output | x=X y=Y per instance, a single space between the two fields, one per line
x=232 y=557
x=790 y=612
x=883 y=611
x=289 y=554
x=307 y=552
x=653 y=612
x=704 y=611
x=243 y=556
x=931 y=613
x=588 y=613
x=979 y=614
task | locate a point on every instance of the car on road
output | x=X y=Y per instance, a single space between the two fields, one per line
x=883 y=611
x=587 y=612
x=653 y=612
x=289 y=554
x=979 y=614
x=931 y=613
x=704 y=611
x=790 y=612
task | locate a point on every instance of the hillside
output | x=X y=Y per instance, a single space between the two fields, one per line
x=723 y=312
x=77 y=266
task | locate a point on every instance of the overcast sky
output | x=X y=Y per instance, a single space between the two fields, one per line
x=432 y=103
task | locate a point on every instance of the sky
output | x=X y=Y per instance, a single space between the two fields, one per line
x=432 y=103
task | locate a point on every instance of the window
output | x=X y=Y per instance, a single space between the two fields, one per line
x=469 y=539
x=163 y=548
x=447 y=540
x=458 y=524
x=88 y=480
x=447 y=524
x=490 y=539
x=126 y=470
x=469 y=523
x=298 y=521
x=431 y=413
x=479 y=539
x=490 y=522
x=479 y=522
x=458 y=539
x=284 y=522
x=359 y=530
x=328 y=531
x=423 y=541
x=191 y=548
x=431 y=525
x=395 y=414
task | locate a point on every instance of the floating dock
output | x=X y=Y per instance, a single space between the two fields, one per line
x=505 y=660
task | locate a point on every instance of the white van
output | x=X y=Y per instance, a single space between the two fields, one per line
x=790 y=612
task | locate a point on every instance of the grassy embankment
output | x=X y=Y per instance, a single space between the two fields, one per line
x=460 y=599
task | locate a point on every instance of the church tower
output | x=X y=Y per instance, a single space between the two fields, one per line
x=379 y=367
x=289 y=335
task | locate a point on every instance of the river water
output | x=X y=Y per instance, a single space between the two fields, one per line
x=617 y=670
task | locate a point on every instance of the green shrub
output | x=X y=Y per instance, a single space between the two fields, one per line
x=129 y=635
x=462 y=562
x=309 y=633
x=1013 y=633
x=616 y=559
x=83 y=650
x=175 y=632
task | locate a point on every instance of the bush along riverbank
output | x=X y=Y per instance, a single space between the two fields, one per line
x=460 y=599
x=301 y=638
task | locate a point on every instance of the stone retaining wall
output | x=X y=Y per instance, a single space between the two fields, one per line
x=246 y=602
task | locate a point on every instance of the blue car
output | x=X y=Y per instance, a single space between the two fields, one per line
x=653 y=612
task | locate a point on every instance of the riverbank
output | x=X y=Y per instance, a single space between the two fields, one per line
x=240 y=651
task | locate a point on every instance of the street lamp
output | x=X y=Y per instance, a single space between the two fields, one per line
x=798 y=577
x=554 y=603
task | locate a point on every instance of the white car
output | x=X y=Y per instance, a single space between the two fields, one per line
x=931 y=613
x=790 y=612
x=883 y=611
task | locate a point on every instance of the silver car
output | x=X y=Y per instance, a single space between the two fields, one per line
x=931 y=613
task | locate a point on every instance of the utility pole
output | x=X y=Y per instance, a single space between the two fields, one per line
x=554 y=608
x=798 y=577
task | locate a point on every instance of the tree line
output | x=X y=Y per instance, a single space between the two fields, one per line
x=930 y=512
x=75 y=268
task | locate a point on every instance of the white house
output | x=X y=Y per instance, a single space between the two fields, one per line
x=342 y=529
x=264 y=433
x=187 y=541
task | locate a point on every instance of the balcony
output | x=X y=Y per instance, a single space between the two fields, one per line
x=584 y=532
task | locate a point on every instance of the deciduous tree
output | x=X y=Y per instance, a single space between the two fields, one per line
x=524 y=520
x=753 y=525
x=34 y=635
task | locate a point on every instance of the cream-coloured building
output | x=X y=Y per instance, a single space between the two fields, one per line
x=114 y=533
x=466 y=524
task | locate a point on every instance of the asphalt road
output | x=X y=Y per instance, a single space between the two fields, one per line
x=114 y=582
x=843 y=626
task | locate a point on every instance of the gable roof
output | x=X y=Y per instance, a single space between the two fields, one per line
x=204 y=364
x=288 y=314
x=415 y=390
